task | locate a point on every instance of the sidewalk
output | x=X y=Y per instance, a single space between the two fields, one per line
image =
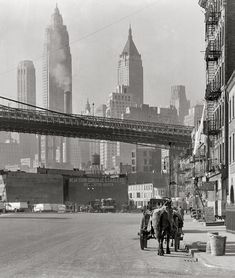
x=196 y=237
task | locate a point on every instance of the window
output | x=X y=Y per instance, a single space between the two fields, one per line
x=230 y=149
x=132 y=154
x=137 y=194
x=130 y=195
x=233 y=147
x=233 y=106
x=146 y=168
x=230 y=110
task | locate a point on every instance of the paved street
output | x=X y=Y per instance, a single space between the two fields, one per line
x=86 y=245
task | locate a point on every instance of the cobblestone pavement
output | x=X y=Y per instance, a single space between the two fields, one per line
x=88 y=245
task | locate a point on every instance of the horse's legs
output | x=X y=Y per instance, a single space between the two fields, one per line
x=167 y=243
x=159 y=238
x=161 y=250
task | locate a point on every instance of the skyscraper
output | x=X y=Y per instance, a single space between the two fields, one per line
x=130 y=70
x=179 y=100
x=129 y=92
x=26 y=83
x=57 y=87
x=26 y=92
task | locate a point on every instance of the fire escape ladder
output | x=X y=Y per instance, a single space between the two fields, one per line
x=211 y=68
x=212 y=128
x=213 y=51
x=213 y=91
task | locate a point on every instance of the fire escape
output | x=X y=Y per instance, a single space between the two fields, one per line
x=213 y=89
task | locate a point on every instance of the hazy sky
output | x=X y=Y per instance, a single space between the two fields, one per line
x=169 y=34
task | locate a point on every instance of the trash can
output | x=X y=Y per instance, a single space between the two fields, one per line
x=208 y=245
x=218 y=244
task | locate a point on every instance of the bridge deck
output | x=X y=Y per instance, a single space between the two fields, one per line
x=99 y=128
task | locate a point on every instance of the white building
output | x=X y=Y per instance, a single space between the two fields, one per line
x=117 y=103
x=142 y=193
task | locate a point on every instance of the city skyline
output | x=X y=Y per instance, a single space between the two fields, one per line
x=168 y=57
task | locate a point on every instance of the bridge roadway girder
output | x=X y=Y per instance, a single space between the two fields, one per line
x=36 y=122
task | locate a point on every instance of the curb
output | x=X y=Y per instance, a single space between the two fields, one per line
x=197 y=255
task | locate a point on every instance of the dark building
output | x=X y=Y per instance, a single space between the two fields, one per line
x=57 y=186
x=220 y=64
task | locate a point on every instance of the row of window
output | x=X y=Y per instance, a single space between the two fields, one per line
x=232 y=148
x=219 y=115
x=140 y=187
x=231 y=108
x=137 y=195
x=121 y=97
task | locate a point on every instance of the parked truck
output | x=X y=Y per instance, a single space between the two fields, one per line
x=16 y=206
x=108 y=205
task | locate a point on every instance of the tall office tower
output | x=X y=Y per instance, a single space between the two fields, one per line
x=57 y=88
x=26 y=84
x=129 y=92
x=130 y=70
x=117 y=103
x=179 y=100
x=26 y=92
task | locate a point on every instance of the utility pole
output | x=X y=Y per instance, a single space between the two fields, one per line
x=170 y=171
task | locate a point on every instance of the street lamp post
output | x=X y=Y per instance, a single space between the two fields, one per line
x=90 y=188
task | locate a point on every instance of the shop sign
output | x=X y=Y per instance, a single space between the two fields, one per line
x=209 y=215
x=208 y=186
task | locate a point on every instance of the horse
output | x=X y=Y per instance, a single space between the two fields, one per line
x=162 y=223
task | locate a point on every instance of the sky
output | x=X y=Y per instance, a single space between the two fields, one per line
x=169 y=35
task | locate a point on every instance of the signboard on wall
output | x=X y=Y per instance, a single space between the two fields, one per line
x=209 y=215
x=208 y=186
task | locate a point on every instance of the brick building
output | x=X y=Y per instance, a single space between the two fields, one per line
x=220 y=64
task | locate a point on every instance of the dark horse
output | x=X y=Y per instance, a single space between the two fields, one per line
x=162 y=222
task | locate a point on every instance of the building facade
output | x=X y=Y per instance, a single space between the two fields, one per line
x=154 y=114
x=194 y=116
x=130 y=70
x=179 y=100
x=55 y=186
x=57 y=88
x=26 y=92
x=231 y=93
x=220 y=64
x=140 y=194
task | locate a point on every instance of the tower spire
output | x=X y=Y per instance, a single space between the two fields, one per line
x=130 y=32
x=56 y=17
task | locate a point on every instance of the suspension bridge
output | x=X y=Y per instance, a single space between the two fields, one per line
x=42 y=121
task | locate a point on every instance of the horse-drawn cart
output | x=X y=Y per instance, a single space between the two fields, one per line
x=147 y=231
